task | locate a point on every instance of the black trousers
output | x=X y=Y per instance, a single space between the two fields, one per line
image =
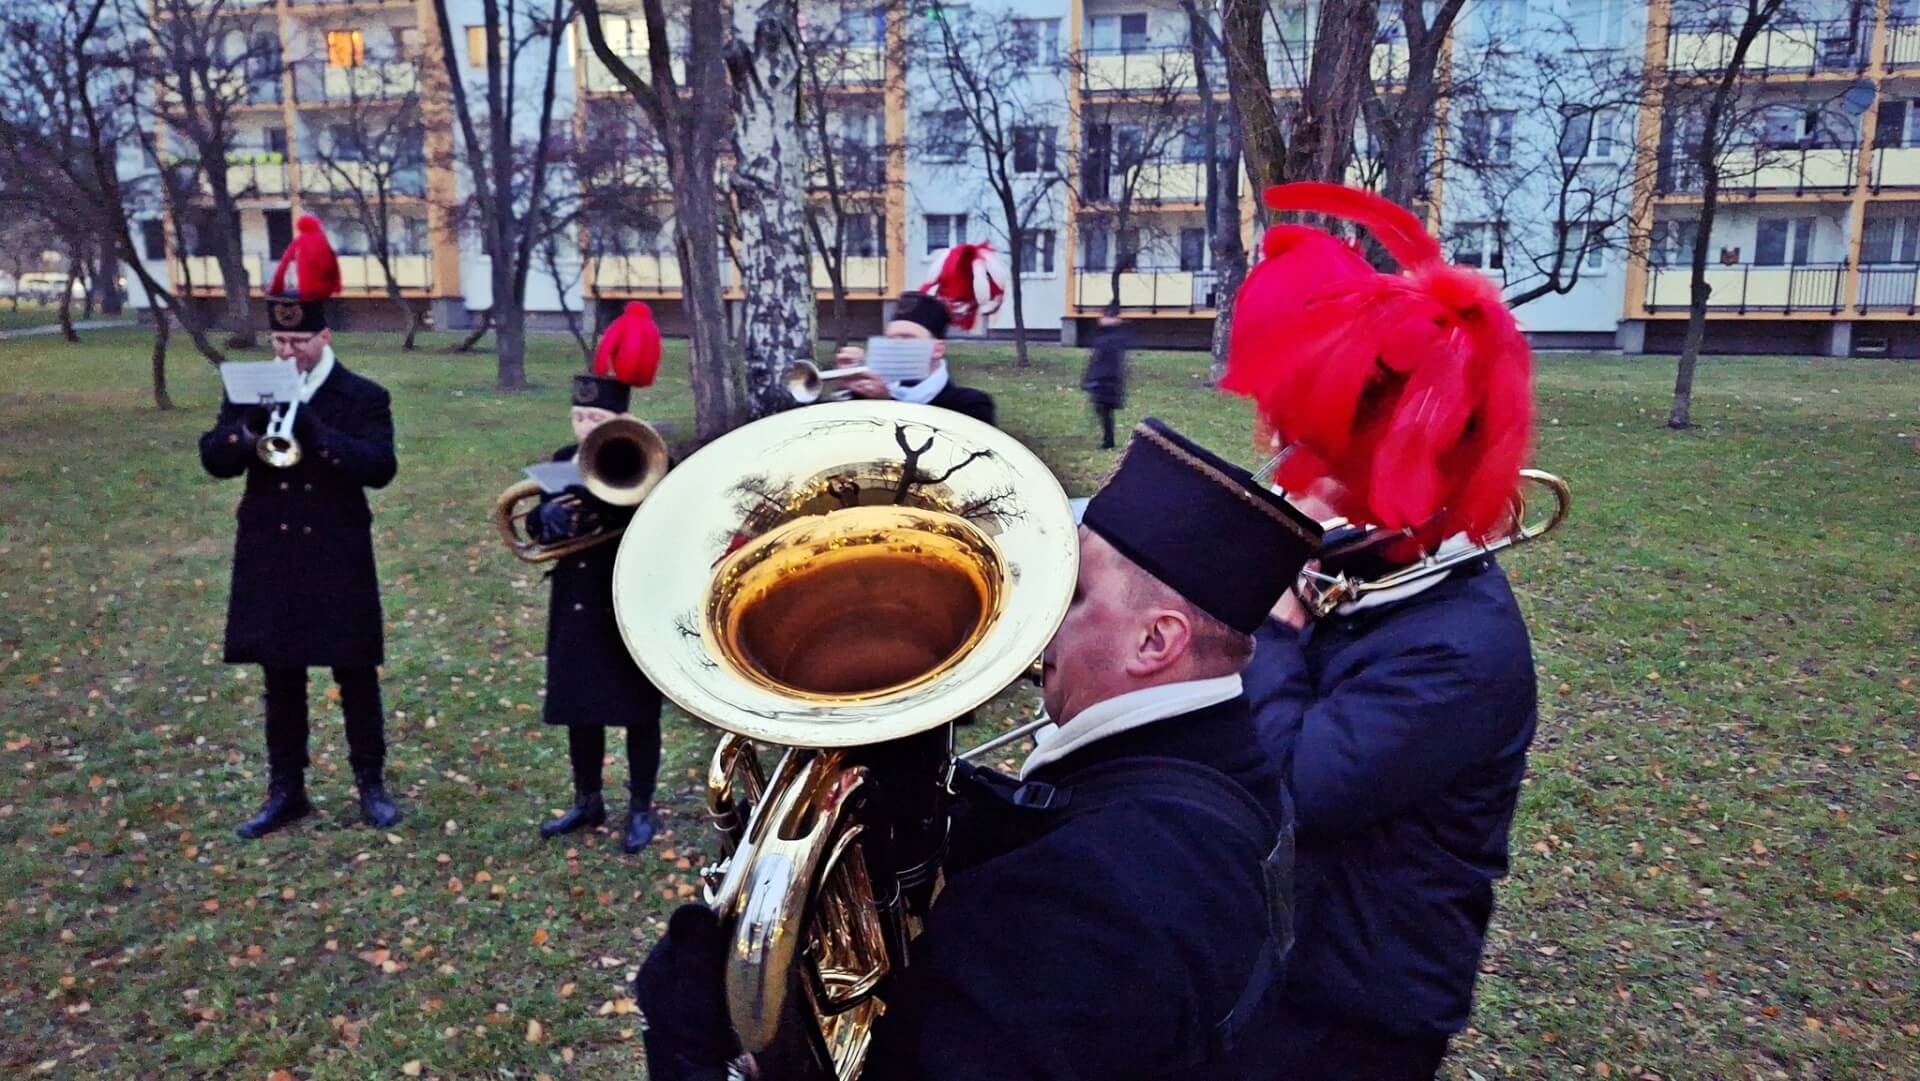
x=287 y=719
x=1106 y=424
x=587 y=747
x=1321 y=1048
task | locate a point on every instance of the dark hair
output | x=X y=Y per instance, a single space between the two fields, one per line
x=928 y=311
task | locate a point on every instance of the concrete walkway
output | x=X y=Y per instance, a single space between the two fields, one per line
x=54 y=328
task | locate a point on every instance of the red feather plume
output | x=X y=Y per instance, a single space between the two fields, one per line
x=630 y=348
x=316 y=270
x=971 y=281
x=1411 y=391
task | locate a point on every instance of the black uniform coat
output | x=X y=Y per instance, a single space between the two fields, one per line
x=1101 y=946
x=591 y=678
x=977 y=404
x=1105 y=379
x=1402 y=732
x=305 y=591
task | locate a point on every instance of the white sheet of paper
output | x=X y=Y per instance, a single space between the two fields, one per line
x=900 y=360
x=252 y=381
x=553 y=477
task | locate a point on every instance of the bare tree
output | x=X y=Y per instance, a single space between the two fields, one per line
x=1002 y=122
x=1220 y=131
x=1401 y=104
x=1129 y=129
x=509 y=210
x=1715 y=104
x=769 y=192
x=368 y=165
x=689 y=121
x=622 y=189
x=203 y=62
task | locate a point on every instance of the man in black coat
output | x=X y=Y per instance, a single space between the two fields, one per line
x=1401 y=723
x=1118 y=911
x=919 y=316
x=1105 y=379
x=305 y=591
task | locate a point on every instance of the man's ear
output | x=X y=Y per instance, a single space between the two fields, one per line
x=1163 y=643
x=939 y=356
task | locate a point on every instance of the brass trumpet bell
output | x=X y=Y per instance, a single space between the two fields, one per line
x=620 y=461
x=808 y=383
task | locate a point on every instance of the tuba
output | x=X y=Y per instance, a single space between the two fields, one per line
x=849 y=582
x=620 y=461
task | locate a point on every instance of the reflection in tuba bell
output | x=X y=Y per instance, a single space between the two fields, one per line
x=847 y=589
x=620 y=462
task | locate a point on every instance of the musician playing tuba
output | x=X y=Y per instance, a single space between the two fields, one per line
x=592 y=682
x=305 y=591
x=1118 y=910
x=1400 y=403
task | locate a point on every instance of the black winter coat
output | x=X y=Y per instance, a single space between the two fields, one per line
x=305 y=590
x=1402 y=732
x=1105 y=379
x=977 y=404
x=591 y=678
x=1101 y=946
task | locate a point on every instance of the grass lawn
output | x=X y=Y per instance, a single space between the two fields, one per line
x=1714 y=866
x=31 y=314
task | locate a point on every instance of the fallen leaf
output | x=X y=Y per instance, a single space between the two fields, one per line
x=535 y=1032
x=540 y=936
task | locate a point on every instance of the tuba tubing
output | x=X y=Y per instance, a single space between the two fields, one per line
x=620 y=463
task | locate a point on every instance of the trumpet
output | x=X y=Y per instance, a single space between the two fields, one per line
x=1323 y=593
x=808 y=383
x=277 y=447
x=620 y=461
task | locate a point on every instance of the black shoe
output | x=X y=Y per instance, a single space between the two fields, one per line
x=286 y=804
x=588 y=811
x=377 y=808
x=641 y=826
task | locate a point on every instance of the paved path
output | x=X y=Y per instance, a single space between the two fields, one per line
x=54 y=328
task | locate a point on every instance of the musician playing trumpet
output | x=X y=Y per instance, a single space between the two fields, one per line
x=592 y=682
x=305 y=591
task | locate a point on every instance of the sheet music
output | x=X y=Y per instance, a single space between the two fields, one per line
x=554 y=477
x=253 y=381
x=900 y=360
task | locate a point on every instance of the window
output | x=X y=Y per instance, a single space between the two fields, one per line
x=1897 y=124
x=1033 y=150
x=1129 y=147
x=1891 y=240
x=410 y=236
x=1496 y=23
x=263 y=56
x=1036 y=252
x=1673 y=242
x=1117 y=33
x=1487 y=135
x=1584 y=242
x=344 y=140
x=1193 y=249
x=1781 y=239
x=1599 y=24
x=1591 y=134
x=944 y=231
x=153 y=239
x=946 y=139
x=864 y=232
x=276 y=140
x=1480 y=244
x=1193 y=142
x=1102 y=246
x=1038 y=41
x=346 y=49
x=864 y=29
x=1127 y=245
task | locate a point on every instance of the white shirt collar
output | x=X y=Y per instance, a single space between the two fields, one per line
x=310 y=383
x=1127 y=712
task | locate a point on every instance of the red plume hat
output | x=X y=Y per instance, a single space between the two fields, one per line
x=301 y=307
x=1412 y=391
x=971 y=282
x=628 y=357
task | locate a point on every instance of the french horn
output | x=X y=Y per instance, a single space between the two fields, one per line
x=845 y=583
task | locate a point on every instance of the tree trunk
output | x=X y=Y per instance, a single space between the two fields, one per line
x=107 y=282
x=66 y=307
x=510 y=343
x=1340 y=75
x=1243 y=33
x=233 y=264
x=473 y=338
x=416 y=319
x=161 y=399
x=769 y=176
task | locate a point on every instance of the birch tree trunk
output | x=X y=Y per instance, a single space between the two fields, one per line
x=769 y=177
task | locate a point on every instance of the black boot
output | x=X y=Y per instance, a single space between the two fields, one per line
x=588 y=811
x=641 y=826
x=377 y=808
x=286 y=804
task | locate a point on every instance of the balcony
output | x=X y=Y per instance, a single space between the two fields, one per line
x=205 y=270
x=1149 y=289
x=232 y=86
x=1146 y=71
x=1756 y=170
x=316 y=82
x=363 y=273
x=1896 y=167
x=600 y=79
x=347 y=178
x=860 y=66
x=1700 y=49
x=1289 y=60
x=254 y=179
x=855 y=169
x=863 y=274
x=646 y=272
x=1746 y=287
x=1158 y=182
x=1890 y=289
x=1903 y=42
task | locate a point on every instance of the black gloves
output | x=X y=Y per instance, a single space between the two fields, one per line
x=682 y=996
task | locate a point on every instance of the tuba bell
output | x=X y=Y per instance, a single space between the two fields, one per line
x=620 y=461
x=851 y=582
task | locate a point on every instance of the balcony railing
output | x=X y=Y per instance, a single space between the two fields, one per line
x=863 y=274
x=1754 y=169
x=343 y=178
x=1747 y=287
x=646 y=272
x=1169 y=180
x=1146 y=289
x=253 y=179
x=1903 y=42
x=1890 y=288
x=1164 y=70
x=363 y=273
x=316 y=82
x=1896 y=167
x=855 y=168
x=205 y=270
x=1706 y=48
x=1289 y=61
x=600 y=79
